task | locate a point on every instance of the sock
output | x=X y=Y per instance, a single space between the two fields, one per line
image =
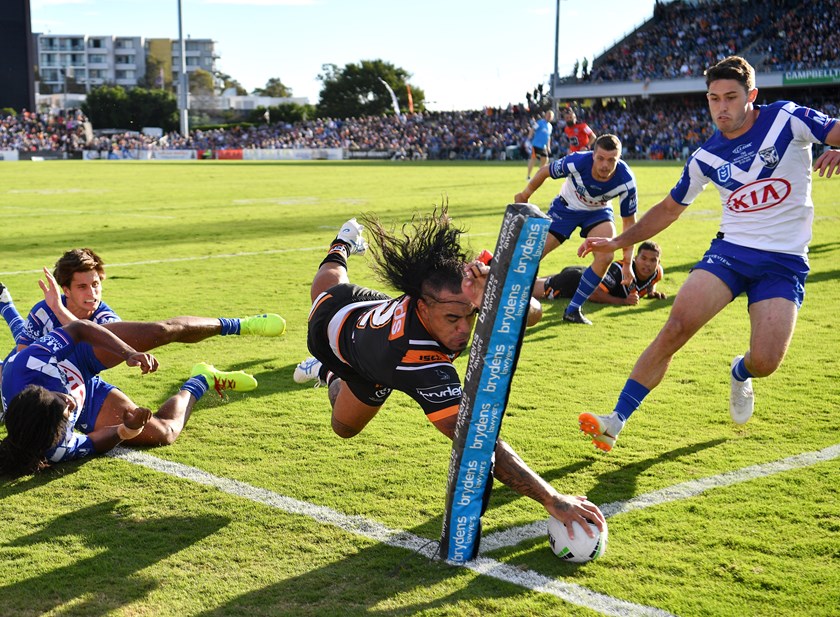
x=588 y=282
x=229 y=326
x=326 y=376
x=630 y=398
x=197 y=386
x=338 y=253
x=13 y=318
x=740 y=372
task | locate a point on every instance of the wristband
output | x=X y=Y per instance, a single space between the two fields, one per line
x=128 y=433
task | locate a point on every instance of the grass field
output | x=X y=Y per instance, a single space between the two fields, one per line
x=259 y=509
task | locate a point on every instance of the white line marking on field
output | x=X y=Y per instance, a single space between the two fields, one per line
x=149 y=262
x=377 y=532
x=515 y=535
x=65 y=212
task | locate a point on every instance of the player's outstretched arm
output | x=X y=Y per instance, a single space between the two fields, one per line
x=511 y=470
x=654 y=220
x=828 y=163
x=107 y=438
x=532 y=186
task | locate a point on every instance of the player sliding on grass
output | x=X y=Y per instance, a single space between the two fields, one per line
x=368 y=344
x=52 y=388
x=760 y=162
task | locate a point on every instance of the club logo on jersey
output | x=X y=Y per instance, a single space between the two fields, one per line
x=758 y=195
x=724 y=173
x=441 y=393
x=769 y=156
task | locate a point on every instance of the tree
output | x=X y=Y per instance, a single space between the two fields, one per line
x=274 y=87
x=113 y=107
x=201 y=83
x=356 y=90
x=229 y=82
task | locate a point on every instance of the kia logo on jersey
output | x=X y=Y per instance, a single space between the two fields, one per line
x=758 y=195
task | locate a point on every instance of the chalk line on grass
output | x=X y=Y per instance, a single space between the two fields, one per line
x=378 y=532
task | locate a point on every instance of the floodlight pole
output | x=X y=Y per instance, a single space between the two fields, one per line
x=556 y=56
x=183 y=82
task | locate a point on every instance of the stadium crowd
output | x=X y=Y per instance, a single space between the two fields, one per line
x=649 y=129
x=683 y=38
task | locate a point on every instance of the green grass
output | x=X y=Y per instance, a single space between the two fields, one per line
x=233 y=239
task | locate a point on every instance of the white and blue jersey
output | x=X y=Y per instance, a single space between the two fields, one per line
x=58 y=364
x=584 y=193
x=763 y=177
x=42 y=320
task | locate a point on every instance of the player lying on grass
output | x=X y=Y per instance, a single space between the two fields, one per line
x=759 y=160
x=60 y=373
x=366 y=344
x=647 y=272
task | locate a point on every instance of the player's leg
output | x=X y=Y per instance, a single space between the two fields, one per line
x=145 y=336
x=349 y=415
x=592 y=276
x=165 y=425
x=701 y=297
x=10 y=313
x=333 y=268
x=531 y=162
x=772 y=323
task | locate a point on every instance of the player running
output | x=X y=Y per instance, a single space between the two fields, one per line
x=759 y=160
x=593 y=180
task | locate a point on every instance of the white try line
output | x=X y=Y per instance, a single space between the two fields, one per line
x=148 y=262
x=378 y=532
x=569 y=592
x=515 y=535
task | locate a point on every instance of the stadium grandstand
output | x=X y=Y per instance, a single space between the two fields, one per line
x=646 y=88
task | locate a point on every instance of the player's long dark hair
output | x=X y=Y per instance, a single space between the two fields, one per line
x=424 y=255
x=35 y=422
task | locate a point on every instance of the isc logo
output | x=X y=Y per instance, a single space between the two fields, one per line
x=759 y=195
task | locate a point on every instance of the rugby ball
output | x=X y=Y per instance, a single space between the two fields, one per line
x=582 y=548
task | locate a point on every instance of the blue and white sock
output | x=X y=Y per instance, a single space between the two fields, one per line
x=740 y=372
x=197 y=386
x=10 y=313
x=630 y=398
x=588 y=282
x=230 y=326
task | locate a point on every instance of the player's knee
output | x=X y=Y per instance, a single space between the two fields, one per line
x=762 y=365
x=344 y=431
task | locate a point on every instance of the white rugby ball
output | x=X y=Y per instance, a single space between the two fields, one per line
x=582 y=548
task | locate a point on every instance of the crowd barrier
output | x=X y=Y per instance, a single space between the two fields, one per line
x=237 y=154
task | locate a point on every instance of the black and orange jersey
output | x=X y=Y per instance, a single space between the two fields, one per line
x=386 y=344
x=611 y=283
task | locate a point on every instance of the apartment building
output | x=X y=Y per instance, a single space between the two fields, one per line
x=90 y=61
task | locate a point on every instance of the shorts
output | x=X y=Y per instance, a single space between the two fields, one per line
x=97 y=391
x=564 y=220
x=539 y=152
x=761 y=274
x=564 y=284
x=324 y=309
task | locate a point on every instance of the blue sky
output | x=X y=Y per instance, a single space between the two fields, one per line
x=465 y=54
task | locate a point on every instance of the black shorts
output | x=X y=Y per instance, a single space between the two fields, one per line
x=540 y=153
x=564 y=284
x=317 y=339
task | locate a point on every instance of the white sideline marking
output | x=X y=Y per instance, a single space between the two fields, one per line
x=377 y=532
x=148 y=262
x=515 y=535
